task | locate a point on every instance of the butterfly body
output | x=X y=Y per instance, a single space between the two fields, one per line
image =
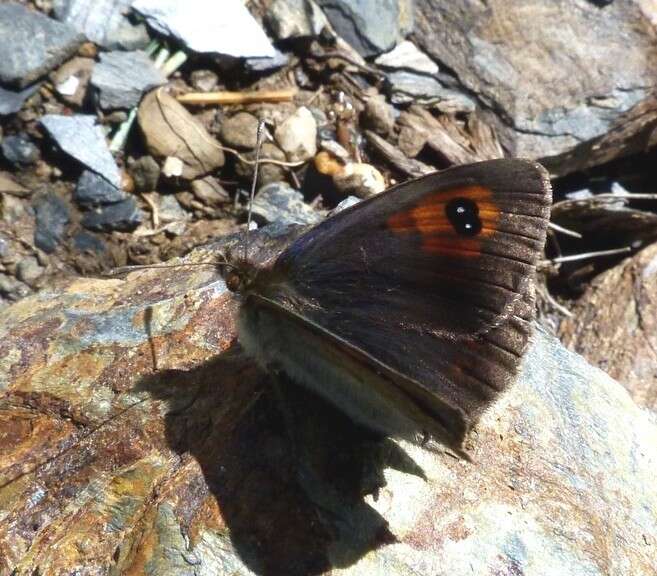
x=411 y=310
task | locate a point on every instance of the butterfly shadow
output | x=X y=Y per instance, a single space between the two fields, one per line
x=289 y=472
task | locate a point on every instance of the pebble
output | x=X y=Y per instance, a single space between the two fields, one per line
x=266 y=65
x=12 y=289
x=81 y=138
x=71 y=80
x=92 y=190
x=297 y=135
x=209 y=191
x=32 y=44
x=121 y=78
x=295 y=19
x=86 y=242
x=204 y=80
x=11 y=101
x=103 y=22
x=124 y=216
x=408 y=87
x=348 y=202
x=225 y=27
x=52 y=217
x=240 y=131
x=28 y=270
x=268 y=172
x=19 y=150
x=279 y=202
x=407 y=56
x=169 y=210
x=378 y=115
x=145 y=172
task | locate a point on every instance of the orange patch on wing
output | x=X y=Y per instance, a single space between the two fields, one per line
x=429 y=219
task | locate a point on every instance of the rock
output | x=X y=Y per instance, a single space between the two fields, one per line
x=224 y=27
x=145 y=172
x=278 y=202
x=268 y=172
x=297 y=135
x=295 y=19
x=12 y=289
x=19 y=150
x=124 y=215
x=123 y=77
x=103 y=22
x=11 y=101
x=378 y=115
x=408 y=87
x=81 y=138
x=240 y=131
x=72 y=79
x=32 y=44
x=29 y=271
x=406 y=56
x=209 y=191
x=560 y=463
x=9 y=185
x=86 y=242
x=362 y=180
x=370 y=26
x=169 y=210
x=348 y=202
x=93 y=190
x=548 y=95
x=171 y=131
x=614 y=325
x=266 y=65
x=52 y=217
x=204 y=80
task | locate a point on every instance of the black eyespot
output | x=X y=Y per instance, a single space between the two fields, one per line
x=463 y=214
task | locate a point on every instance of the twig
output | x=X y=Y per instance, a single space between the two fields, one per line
x=226 y=97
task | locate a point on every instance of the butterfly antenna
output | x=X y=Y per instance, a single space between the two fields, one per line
x=254 y=183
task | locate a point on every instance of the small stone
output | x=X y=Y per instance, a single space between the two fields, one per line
x=124 y=215
x=204 y=80
x=86 y=242
x=145 y=172
x=264 y=65
x=295 y=19
x=19 y=150
x=268 y=171
x=378 y=115
x=362 y=180
x=240 y=131
x=72 y=79
x=225 y=27
x=122 y=77
x=92 y=190
x=297 y=135
x=348 y=202
x=12 y=289
x=52 y=217
x=103 y=22
x=80 y=137
x=169 y=210
x=173 y=167
x=11 y=101
x=9 y=185
x=405 y=87
x=32 y=44
x=29 y=271
x=209 y=191
x=406 y=56
x=280 y=203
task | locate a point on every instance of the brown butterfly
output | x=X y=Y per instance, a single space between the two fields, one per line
x=411 y=310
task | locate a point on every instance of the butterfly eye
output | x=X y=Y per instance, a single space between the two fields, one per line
x=463 y=215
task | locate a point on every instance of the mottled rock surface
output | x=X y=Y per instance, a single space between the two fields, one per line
x=137 y=439
x=549 y=70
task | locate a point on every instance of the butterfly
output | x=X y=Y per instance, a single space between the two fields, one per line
x=411 y=310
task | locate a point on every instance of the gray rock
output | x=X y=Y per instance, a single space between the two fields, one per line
x=92 y=190
x=224 y=27
x=12 y=289
x=19 y=150
x=124 y=215
x=87 y=242
x=122 y=78
x=28 y=270
x=52 y=217
x=370 y=26
x=145 y=172
x=546 y=83
x=378 y=115
x=81 y=138
x=297 y=135
x=32 y=44
x=103 y=22
x=407 y=56
x=280 y=203
x=209 y=191
x=240 y=131
x=169 y=209
x=295 y=19
x=263 y=65
x=348 y=202
x=11 y=101
x=405 y=87
x=204 y=80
